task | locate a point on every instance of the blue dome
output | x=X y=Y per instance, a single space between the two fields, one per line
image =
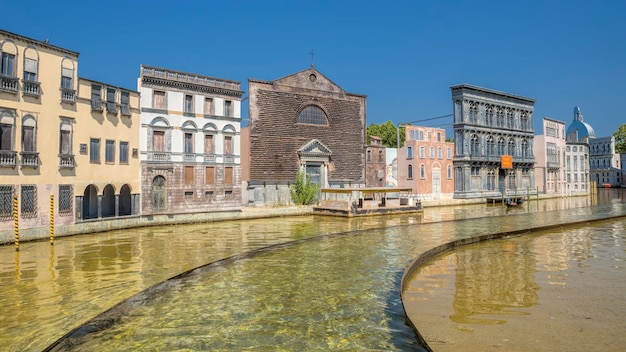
x=584 y=130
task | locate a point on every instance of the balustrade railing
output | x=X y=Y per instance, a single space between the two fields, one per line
x=68 y=95
x=66 y=161
x=8 y=158
x=8 y=83
x=158 y=156
x=32 y=88
x=29 y=158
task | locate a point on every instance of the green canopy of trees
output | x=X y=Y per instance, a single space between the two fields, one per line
x=620 y=139
x=388 y=132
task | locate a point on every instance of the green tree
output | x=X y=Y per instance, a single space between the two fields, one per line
x=620 y=139
x=303 y=191
x=388 y=132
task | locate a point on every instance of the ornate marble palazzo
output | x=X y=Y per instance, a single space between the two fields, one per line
x=487 y=125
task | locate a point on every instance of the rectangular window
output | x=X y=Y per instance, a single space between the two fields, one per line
x=6 y=201
x=96 y=98
x=439 y=153
x=125 y=103
x=158 y=100
x=94 y=150
x=6 y=135
x=228 y=105
x=65 y=143
x=30 y=70
x=28 y=139
x=438 y=136
x=422 y=151
x=409 y=152
x=188 y=103
x=449 y=152
x=432 y=152
x=189 y=175
x=208 y=144
x=228 y=175
x=158 y=141
x=111 y=106
x=188 y=145
x=67 y=75
x=29 y=200
x=123 y=152
x=228 y=145
x=208 y=195
x=188 y=195
x=228 y=195
x=8 y=64
x=65 y=199
x=109 y=151
x=208 y=106
x=209 y=175
x=380 y=156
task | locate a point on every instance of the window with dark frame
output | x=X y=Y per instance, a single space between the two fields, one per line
x=125 y=103
x=228 y=106
x=6 y=201
x=96 y=98
x=109 y=151
x=65 y=199
x=111 y=105
x=313 y=115
x=188 y=143
x=8 y=64
x=6 y=137
x=28 y=200
x=123 y=152
x=188 y=103
x=28 y=138
x=94 y=150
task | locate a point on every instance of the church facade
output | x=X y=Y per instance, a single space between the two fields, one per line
x=302 y=122
x=488 y=125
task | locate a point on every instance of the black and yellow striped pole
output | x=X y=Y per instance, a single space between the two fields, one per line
x=51 y=219
x=16 y=224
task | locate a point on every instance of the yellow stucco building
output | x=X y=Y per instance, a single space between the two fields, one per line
x=63 y=136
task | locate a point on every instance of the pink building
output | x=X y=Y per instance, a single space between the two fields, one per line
x=425 y=162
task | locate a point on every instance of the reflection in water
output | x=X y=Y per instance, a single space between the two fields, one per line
x=555 y=288
x=47 y=291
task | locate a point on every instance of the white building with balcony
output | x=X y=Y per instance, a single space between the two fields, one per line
x=189 y=142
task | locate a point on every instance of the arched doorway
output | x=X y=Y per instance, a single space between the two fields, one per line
x=90 y=202
x=159 y=194
x=125 y=202
x=108 y=202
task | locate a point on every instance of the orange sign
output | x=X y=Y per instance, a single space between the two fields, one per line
x=506 y=161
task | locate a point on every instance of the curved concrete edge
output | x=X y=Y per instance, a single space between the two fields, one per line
x=430 y=254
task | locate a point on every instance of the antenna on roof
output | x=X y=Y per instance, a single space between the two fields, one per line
x=312 y=55
x=46 y=41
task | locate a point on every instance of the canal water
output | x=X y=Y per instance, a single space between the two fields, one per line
x=338 y=290
x=551 y=290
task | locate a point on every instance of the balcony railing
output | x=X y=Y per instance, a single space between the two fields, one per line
x=189 y=158
x=159 y=156
x=553 y=164
x=229 y=159
x=29 y=159
x=32 y=88
x=8 y=158
x=68 y=95
x=8 y=83
x=66 y=161
x=209 y=158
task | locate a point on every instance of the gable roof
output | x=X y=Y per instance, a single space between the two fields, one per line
x=314 y=148
x=310 y=78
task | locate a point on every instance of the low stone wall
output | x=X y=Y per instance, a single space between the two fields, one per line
x=101 y=225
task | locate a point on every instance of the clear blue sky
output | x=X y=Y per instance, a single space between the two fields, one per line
x=404 y=55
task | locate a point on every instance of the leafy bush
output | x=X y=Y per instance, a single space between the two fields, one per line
x=303 y=191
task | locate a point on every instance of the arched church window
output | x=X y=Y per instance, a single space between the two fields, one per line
x=313 y=115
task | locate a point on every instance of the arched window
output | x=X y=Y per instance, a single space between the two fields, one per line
x=489 y=115
x=491 y=180
x=501 y=149
x=449 y=172
x=525 y=150
x=409 y=152
x=313 y=115
x=432 y=152
x=500 y=117
x=510 y=118
x=422 y=171
x=439 y=153
x=473 y=112
x=159 y=194
x=491 y=147
x=474 y=146
x=511 y=149
x=422 y=152
x=409 y=172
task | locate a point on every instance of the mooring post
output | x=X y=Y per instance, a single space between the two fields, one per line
x=52 y=219
x=16 y=224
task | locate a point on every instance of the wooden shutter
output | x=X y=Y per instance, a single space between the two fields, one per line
x=5 y=137
x=65 y=142
x=208 y=144
x=228 y=145
x=28 y=143
x=228 y=175
x=158 y=141
x=188 y=175
x=209 y=177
